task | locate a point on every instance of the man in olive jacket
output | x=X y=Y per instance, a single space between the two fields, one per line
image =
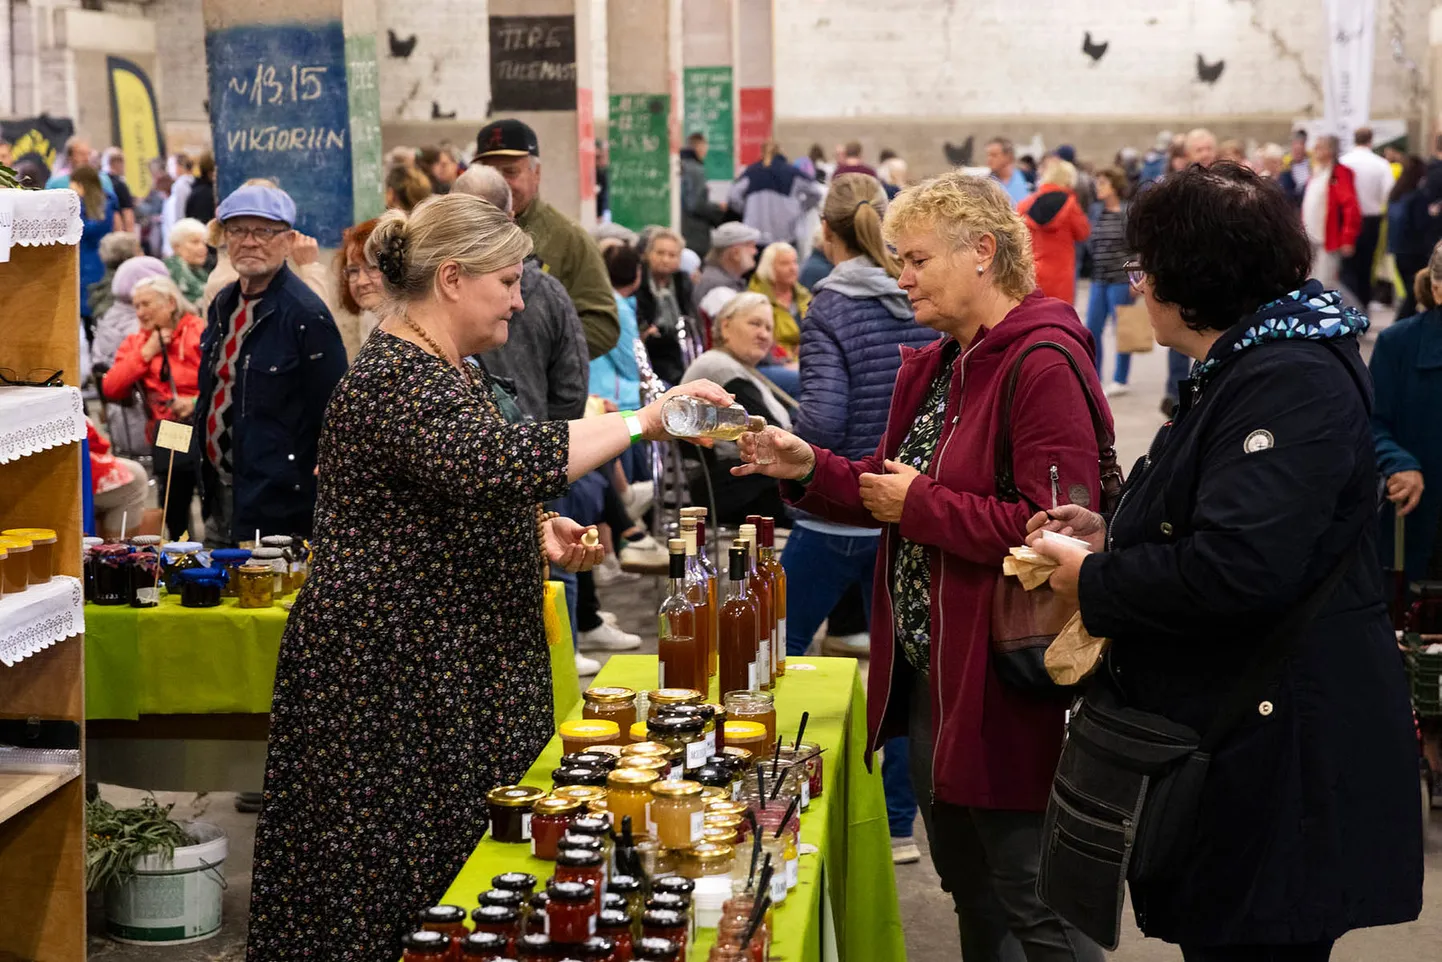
x=565 y=250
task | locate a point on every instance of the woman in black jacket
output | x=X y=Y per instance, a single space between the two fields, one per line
x=664 y=308
x=1407 y=228
x=1309 y=823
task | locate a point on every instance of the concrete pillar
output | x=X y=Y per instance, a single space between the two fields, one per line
x=709 y=52
x=1433 y=125
x=541 y=74
x=294 y=97
x=644 y=58
x=755 y=70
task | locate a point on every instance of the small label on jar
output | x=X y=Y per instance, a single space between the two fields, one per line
x=781 y=637
x=525 y=826
x=698 y=826
x=763 y=665
x=778 y=888
x=710 y=743
x=793 y=872
x=677 y=771
x=805 y=794
x=751 y=676
x=696 y=754
x=735 y=791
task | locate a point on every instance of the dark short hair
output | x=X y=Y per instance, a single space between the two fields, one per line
x=1218 y=243
x=696 y=137
x=1362 y=136
x=1006 y=146
x=853 y=148
x=622 y=264
x=1117 y=178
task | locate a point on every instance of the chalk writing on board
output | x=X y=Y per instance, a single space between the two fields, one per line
x=363 y=89
x=533 y=63
x=305 y=83
x=708 y=100
x=640 y=170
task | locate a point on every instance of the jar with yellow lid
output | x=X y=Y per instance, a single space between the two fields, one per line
x=706 y=860
x=747 y=735
x=581 y=793
x=628 y=792
x=754 y=706
x=678 y=813
x=42 y=557
x=671 y=696
x=510 y=811
x=16 y=566
x=255 y=585
x=5 y=553
x=611 y=704
x=713 y=793
x=579 y=736
x=550 y=817
x=639 y=732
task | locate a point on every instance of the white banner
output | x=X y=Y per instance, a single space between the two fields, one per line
x=1347 y=87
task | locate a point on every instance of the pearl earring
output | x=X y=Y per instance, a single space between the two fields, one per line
x=980 y=269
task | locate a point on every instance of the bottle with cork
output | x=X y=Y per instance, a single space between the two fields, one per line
x=772 y=565
x=699 y=591
x=762 y=590
x=739 y=620
x=713 y=576
x=682 y=664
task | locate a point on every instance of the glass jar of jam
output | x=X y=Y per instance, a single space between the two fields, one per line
x=486 y=947
x=615 y=924
x=502 y=920
x=255 y=585
x=808 y=758
x=535 y=945
x=510 y=812
x=178 y=556
x=671 y=696
x=522 y=883
x=425 y=946
x=611 y=704
x=572 y=841
x=511 y=900
x=283 y=542
x=449 y=920
x=535 y=920
x=200 y=587
x=597 y=948
x=550 y=817
x=149 y=543
x=577 y=736
x=582 y=865
x=664 y=924
x=144 y=575
x=753 y=706
x=231 y=560
x=571 y=912
x=683 y=735
x=592 y=759
x=714 y=776
x=719 y=718
x=677 y=812
x=629 y=793
x=112 y=572
x=651 y=949
x=578 y=775
x=707 y=859
x=748 y=735
x=87 y=545
x=42 y=555
x=274 y=559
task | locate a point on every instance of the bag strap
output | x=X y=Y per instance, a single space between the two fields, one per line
x=1004 y=470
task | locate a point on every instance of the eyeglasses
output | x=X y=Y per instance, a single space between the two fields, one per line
x=39 y=377
x=263 y=234
x=354 y=273
x=1135 y=274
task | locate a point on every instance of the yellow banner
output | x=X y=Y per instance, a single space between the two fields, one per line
x=136 y=122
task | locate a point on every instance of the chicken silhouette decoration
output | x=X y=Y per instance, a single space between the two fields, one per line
x=1094 y=50
x=1209 y=73
x=438 y=114
x=401 y=48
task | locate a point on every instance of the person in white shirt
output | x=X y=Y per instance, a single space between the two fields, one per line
x=1374 y=179
x=174 y=209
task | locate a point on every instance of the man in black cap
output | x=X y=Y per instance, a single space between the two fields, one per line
x=565 y=250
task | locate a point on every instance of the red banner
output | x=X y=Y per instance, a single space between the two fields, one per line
x=756 y=123
x=586 y=132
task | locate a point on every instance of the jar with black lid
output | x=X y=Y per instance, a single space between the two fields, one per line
x=485 y=946
x=521 y=882
x=684 y=735
x=511 y=900
x=674 y=885
x=535 y=945
x=425 y=946
x=503 y=920
x=579 y=775
x=590 y=760
x=571 y=913
x=654 y=949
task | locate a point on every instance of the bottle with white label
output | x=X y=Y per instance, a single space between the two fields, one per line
x=738 y=624
x=760 y=586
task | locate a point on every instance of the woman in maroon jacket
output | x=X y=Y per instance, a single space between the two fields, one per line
x=983 y=753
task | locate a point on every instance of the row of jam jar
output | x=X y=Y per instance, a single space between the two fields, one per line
x=27 y=557
x=114 y=572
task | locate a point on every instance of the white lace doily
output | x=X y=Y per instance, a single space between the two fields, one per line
x=31 y=217
x=38 y=617
x=35 y=418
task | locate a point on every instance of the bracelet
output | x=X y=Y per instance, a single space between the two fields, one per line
x=808 y=477
x=633 y=425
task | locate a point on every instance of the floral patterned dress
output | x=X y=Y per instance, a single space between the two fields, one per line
x=414 y=674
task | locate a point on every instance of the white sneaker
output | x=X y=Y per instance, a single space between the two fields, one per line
x=609 y=617
x=904 y=851
x=609 y=572
x=647 y=553
x=1115 y=389
x=639 y=498
x=609 y=638
x=586 y=667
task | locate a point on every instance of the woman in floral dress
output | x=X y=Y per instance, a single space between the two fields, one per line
x=414 y=674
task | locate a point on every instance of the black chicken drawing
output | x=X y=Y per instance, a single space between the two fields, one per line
x=1094 y=50
x=1208 y=73
x=959 y=156
x=401 y=48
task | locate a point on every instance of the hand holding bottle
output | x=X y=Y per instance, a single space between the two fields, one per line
x=702 y=390
x=776 y=454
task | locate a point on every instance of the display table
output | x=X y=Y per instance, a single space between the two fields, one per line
x=179 y=698
x=847 y=895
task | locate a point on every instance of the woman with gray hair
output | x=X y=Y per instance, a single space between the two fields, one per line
x=187 y=265
x=115 y=249
x=125 y=420
x=742 y=335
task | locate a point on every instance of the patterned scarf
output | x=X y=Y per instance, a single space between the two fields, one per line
x=1310 y=313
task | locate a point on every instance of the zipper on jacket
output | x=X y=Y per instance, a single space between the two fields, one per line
x=1111 y=528
x=1055 y=487
x=245 y=395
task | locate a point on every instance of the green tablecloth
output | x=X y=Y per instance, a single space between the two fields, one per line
x=847 y=823
x=171 y=660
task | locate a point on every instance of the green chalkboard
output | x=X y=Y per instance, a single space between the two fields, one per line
x=367 y=169
x=640 y=172
x=709 y=111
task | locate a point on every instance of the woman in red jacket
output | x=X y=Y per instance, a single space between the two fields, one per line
x=164 y=356
x=1057 y=224
x=983 y=753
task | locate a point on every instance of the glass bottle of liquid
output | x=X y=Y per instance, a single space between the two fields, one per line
x=713 y=576
x=761 y=588
x=778 y=591
x=682 y=664
x=688 y=417
x=699 y=591
x=768 y=576
x=738 y=623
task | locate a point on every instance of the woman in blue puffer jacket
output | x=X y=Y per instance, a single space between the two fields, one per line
x=851 y=343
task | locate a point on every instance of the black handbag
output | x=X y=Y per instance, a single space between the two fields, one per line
x=1128 y=786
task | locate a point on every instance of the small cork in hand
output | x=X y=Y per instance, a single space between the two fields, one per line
x=591 y=538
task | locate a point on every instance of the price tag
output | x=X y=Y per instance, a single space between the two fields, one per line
x=805 y=794
x=525 y=826
x=763 y=664
x=173 y=435
x=778 y=888
x=698 y=826
x=710 y=743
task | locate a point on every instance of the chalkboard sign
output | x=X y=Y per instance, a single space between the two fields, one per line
x=279 y=108
x=363 y=94
x=533 y=63
x=640 y=171
x=709 y=111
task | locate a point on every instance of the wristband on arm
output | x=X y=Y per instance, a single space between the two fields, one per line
x=633 y=425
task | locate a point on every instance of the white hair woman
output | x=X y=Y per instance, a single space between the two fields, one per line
x=163 y=356
x=187 y=265
x=1057 y=224
x=778 y=276
x=423 y=610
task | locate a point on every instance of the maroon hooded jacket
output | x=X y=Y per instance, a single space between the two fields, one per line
x=995 y=746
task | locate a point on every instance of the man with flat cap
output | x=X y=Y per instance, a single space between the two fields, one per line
x=565 y=250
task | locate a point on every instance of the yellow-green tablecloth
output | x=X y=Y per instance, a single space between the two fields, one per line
x=847 y=823
x=171 y=660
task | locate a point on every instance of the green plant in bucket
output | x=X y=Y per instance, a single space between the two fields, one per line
x=116 y=837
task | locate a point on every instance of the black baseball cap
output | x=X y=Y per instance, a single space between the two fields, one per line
x=507 y=138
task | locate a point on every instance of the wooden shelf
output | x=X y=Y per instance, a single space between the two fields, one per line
x=19 y=792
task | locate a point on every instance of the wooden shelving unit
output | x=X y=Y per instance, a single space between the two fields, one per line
x=42 y=817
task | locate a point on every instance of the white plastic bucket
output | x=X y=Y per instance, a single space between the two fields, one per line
x=175 y=900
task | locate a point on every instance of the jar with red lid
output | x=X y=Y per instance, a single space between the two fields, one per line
x=616 y=924
x=550 y=818
x=503 y=920
x=570 y=912
x=651 y=949
x=486 y=947
x=668 y=925
x=535 y=945
x=425 y=946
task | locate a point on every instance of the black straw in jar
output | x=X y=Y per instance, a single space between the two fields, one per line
x=755 y=848
x=790 y=812
x=757 y=914
x=761 y=784
x=776 y=758
x=805 y=717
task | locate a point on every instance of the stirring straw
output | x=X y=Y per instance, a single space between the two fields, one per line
x=790 y=814
x=776 y=758
x=755 y=850
x=757 y=914
x=776 y=788
x=805 y=717
x=761 y=784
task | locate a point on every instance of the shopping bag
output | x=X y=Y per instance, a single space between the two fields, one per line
x=1134 y=329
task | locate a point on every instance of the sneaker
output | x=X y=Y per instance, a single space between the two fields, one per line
x=609 y=617
x=904 y=851
x=847 y=646
x=609 y=638
x=1116 y=389
x=638 y=498
x=586 y=667
x=646 y=552
x=609 y=572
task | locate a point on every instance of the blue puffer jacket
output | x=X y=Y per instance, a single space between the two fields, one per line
x=850 y=352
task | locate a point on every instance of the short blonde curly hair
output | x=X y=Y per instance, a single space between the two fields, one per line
x=961 y=208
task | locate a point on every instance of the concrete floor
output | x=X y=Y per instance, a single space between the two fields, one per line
x=931 y=934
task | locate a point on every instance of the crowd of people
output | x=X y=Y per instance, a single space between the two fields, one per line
x=475 y=352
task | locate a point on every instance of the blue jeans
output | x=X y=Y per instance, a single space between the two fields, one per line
x=1105 y=299
x=1178 y=367
x=896 y=782
x=784 y=378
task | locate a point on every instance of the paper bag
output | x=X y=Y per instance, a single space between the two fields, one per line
x=1074 y=655
x=1134 y=329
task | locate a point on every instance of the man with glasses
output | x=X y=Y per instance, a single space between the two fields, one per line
x=270 y=358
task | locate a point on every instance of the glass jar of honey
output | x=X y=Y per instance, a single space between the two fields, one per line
x=671 y=696
x=15 y=567
x=749 y=735
x=638 y=733
x=425 y=946
x=274 y=559
x=754 y=706
x=677 y=812
x=629 y=793
x=255 y=585
x=707 y=860
x=612 y=704
x=577 y=736
x=739 y=809
x=550 y=817
x=300 y=566
x=231 y=560
x=6 y=585
x=42 y=556
x=510 y=812
x=683 y=735
x=724 y=834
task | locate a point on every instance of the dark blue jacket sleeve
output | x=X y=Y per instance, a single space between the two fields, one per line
x=322 y=355
x=1389 y=373
x=824 y=381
